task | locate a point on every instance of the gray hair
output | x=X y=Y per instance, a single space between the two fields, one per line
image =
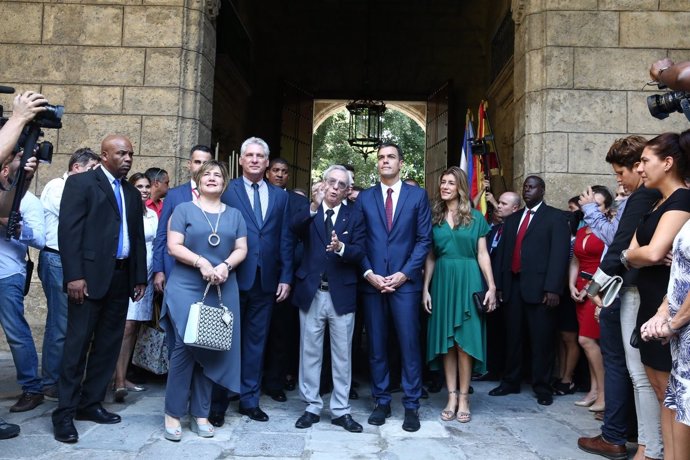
x=255 y=140
x=342 y=168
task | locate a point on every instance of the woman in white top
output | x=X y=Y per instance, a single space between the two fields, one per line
x=143 y=309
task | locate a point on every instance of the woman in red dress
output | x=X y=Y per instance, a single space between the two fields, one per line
x=587 y=251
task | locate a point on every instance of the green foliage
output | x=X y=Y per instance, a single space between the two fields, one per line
x=330 y=147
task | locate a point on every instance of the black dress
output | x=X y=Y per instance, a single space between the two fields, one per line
x=652 y=281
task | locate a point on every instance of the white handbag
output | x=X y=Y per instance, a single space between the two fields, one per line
x=209 y=327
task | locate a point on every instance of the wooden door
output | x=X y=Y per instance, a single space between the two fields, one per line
x=296 y=131
x=437 y=139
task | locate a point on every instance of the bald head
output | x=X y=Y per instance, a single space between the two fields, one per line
x=116 y=155
x=508 y=203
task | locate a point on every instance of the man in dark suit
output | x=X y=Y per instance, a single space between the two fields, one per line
x=282 y=348
x=103 y=253
x=265 y=275
x=533 y=261
x=326 y=294
x=162 y=263
x=398 y=225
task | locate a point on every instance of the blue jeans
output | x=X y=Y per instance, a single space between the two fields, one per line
x=18 y=333
x=50 y=273
x=616 y=377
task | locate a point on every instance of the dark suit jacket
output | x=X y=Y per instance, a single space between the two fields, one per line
x=640 y=202
x=493 y=252
x=544 y=255
x=342 y=272
x=270 y=245
x=405 y=248
x=89 y=226
x=162 y=261
x=297 y=204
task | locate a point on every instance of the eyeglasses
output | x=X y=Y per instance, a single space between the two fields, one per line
x=337 y=184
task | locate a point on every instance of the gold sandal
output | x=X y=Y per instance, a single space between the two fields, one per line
x=464 y=417
x=447 y=414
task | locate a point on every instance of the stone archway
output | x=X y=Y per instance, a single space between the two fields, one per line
x=324 y=108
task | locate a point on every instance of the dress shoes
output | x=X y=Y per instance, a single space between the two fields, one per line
x=600 y=446
x=411 y=421
x=503 y=390
x=306 y=420
x=27 y=401
x=64 y=431
x=290 y=384
x=8 y=430
x=379 y=415
x=97 y=415
x=435 y=386
x=544 y=399
x=348 y=423
x=216 y=419
x=254 y=413
x=276 y=395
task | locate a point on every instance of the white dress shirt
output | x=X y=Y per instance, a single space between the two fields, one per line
x=50 y=199
x=396 y=194
x=334 y=219
x=263 y=194
x=125 y=230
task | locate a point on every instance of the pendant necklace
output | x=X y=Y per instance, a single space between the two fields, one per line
x=213 y=238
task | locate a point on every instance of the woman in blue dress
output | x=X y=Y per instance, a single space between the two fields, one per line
x=208 y=241
x=452 y=273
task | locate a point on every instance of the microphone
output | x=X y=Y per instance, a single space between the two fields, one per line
x=6 y=90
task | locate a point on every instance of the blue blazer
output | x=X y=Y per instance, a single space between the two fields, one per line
x=162 y=261
x=269 y=246
x=342 y=271
x=405 y=248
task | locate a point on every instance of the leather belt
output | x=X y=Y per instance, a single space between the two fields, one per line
x=323 y=286
x=47 y=249
x=121 y=264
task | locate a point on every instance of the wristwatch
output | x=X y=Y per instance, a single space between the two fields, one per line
x=228 y=265
x=624 y=258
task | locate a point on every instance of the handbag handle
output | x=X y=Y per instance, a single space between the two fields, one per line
x=220 y=299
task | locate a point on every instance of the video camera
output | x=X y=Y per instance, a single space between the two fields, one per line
x=661 y=105
x=50 y=118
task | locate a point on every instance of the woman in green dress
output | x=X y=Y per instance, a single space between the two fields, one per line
x=453 y=272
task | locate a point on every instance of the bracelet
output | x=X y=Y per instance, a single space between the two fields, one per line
x=624 y=258
x=198 y=258
x=668 y=323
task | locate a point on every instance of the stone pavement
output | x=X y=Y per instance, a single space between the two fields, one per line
x=512 y=427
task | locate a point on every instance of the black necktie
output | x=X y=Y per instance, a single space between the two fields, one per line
x=329 y=228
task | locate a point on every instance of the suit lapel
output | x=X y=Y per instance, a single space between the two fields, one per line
x=107 y=189
x=378 y=199
x=319 y=223
x=404 y=193
x=238 y=188
x=536 y=218
x=271 y=200
x=341 y=220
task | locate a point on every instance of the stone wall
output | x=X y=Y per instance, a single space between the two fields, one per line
x=580 y=66
x=142 y=68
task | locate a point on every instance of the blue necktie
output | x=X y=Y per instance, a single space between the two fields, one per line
x=257 y=206
x=118 y=198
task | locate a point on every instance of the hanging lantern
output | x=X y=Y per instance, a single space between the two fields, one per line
x=365 y=125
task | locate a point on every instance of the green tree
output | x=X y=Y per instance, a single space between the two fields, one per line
x=330 y=147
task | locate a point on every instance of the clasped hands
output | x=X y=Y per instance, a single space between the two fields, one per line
x=387 y=284
x=657 y=328
x=214 y=275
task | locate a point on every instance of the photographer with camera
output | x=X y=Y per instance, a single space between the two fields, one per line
x=670 y=74
x=24 y=108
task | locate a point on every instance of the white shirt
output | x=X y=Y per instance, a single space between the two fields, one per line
x=263 y=194
x=524 y=213
x=13 y=252
x=50 y=199
x=396 y=194
x=194 y=187
x=125 y=230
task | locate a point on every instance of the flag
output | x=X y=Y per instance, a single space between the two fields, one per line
x=479 y=170
x=466 y=155
x=493 y=160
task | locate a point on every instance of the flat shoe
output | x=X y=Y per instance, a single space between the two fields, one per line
x=585 y=402
x=597 y=407
x=135 y=388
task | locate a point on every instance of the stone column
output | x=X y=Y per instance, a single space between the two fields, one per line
x=141 y=68
x=580 y=66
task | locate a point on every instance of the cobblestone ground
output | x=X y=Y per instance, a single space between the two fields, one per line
x=512 y=427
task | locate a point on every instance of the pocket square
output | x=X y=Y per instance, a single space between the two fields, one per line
x=344 y=233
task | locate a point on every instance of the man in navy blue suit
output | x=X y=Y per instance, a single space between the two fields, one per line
x=326 y=294
x=398 y=237
x=162 y=261
x=265 y=275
